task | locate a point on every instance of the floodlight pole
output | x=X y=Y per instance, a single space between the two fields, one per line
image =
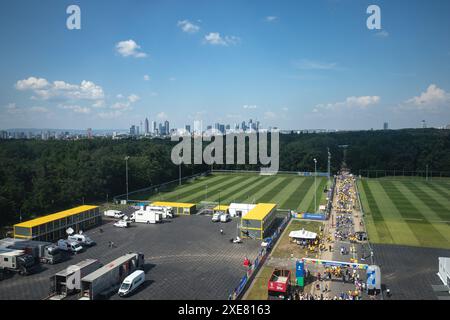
x=126 y=173
x=329 y=165
x=315 y=185
x=179 y=174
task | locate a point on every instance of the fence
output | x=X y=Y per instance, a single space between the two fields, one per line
x=143 y=194
x=247 y=279
x=420 y=174
x=298 y=173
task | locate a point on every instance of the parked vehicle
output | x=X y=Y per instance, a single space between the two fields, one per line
x=70 y=246
x=131 y=283
x=103 y=282
x=113 y=214
x=82 y=239
x=225 y=217
x=279 y=286
x=122 y=224
x=167 y=212
x=216 y=217
x=146 y=216
x=45 y=252
x=12 y=260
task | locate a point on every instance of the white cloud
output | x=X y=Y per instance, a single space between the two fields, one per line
x=433 y=99
x=214 y=38
x=269 y=115
x=188 y=26
x=32 y=83
x=133 y=98
x=172 y=79
x=110 y=115
x=162 y=115
x=44 y=90
x=99 y=104
x=271 y=18
x=39 y=109
x=76 y=108
x=306 y=64
x=121 y=106
x=129 y=48
x=361 y=102
x=119 y=96
x=146 y=77
x=12 y=108
x=246 y=106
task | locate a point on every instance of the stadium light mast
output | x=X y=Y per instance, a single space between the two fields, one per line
x=126 y=173
x=329 y=165
x=315 y=185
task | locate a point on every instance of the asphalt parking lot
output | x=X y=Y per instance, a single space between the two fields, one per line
x=186 y=258
x=410 y=272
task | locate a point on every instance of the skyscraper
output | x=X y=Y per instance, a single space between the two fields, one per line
x=198 y=127
x=154 y=127
x=147 y=129
x=188 y=128
x=166 y=127
x=385 y=126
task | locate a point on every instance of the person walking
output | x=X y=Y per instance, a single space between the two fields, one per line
x=221 y=231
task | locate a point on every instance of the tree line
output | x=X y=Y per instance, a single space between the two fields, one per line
x=38 y=177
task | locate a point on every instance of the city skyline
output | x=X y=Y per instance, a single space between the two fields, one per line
x=299 y=65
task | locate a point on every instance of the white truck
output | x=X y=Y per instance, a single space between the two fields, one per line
x=69 y=246
x=45 y=252
x=82 y=239
x=147 y=216
x=113 y=214
x=12 y=260
x=167 y=212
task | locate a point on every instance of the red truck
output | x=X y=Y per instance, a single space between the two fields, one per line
x=279 y=287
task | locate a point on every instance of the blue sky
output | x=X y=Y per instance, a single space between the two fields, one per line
x=291 y=64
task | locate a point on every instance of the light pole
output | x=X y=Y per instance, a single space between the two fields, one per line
x=179 y=172
x=315 y=185
x=329 y=165
x=126 y=173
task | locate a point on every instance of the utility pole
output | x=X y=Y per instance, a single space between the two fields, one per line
x=126 y=173
x=179 y=172
x=315 y=185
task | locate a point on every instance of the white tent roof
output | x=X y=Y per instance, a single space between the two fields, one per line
x=302 y=234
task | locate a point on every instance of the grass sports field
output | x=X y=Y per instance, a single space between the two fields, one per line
x=288 y=191
x=406 y=211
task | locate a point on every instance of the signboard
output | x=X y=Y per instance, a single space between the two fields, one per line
x=299 y=268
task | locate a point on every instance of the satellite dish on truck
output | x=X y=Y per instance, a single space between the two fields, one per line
x=69 y=231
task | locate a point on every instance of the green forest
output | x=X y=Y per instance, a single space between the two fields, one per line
x=38 y=177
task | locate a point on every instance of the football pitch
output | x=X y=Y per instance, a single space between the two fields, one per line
x=406 y=211
x=287 y=191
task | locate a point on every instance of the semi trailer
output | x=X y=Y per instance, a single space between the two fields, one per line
x=45 y=252
x=68 y=281
x=106 y=280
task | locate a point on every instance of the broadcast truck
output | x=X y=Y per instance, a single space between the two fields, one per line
x=12 y=260
x=45 y=252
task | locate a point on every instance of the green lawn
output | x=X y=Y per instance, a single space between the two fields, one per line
x=407 y=211
x=288 y=191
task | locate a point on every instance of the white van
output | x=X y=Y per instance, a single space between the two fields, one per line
x=81 y=239
x=131 y=283
x=69 y=246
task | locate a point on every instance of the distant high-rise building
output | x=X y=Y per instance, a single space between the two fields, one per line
x=161 y=130
x=243 y=126
x=147 y=127
x=154 y=127
x=137 y=130
x=166 y=127
x=385 y=126
x=188 y=128
x=89 y=133
x=424 y=124
x=133 y=130
x=198 y=127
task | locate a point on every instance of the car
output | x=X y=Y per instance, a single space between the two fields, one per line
x=216 y=217
x=122 y=224
x=225 y=217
